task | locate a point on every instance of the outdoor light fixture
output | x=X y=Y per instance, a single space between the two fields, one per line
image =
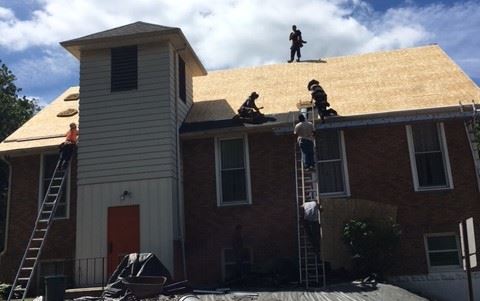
x=124 y=194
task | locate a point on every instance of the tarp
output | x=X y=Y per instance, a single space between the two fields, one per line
x=134 y=265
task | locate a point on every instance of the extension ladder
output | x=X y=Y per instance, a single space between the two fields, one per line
x=311 y=267
x=470 y=128
x=43 y=222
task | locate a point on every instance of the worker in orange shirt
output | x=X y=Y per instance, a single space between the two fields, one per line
x=68 y=147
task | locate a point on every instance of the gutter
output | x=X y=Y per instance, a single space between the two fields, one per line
x=7 y=213
x=341 y=122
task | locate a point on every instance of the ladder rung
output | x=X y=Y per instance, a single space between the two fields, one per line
x=49 y=203
x=43 y=221
x=37 y=239
x=47 y=212
x=23 y=279
x=27 y=269
x=52 y=194
x=33 y=249
x=31 y=258
x=40 y=230
x=57 y=179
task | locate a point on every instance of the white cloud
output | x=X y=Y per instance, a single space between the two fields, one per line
x=232 y=33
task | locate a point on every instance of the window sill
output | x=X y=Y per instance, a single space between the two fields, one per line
x=434 y=189
x=233 y=204
x=335 y=195
x=445 y=269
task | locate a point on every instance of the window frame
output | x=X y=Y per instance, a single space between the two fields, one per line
x=446 y=267
x=41 y=186
x=343 y=159
x=224 y=263
x=445 y=156
x=218 y=171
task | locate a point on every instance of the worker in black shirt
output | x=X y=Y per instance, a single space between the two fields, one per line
x=297 y=43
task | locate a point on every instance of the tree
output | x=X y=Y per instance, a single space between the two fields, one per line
x=15 y=110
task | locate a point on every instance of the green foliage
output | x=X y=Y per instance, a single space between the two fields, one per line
x=372 y=243
x=15 y=110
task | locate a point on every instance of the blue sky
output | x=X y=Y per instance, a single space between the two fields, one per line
x=236 y=33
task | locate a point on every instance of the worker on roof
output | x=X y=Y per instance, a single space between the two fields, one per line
x=297 y=43
x=68 y=146
x=320 y=98
x=249 y=109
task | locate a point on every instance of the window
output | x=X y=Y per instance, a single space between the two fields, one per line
x=123 y=68
x=231 y=269
x=331 y=160
x=48 y=163
x=429 y=156
x=182 y=92
x=442 y=251
x=233 y=180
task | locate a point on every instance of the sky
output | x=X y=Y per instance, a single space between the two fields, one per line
x=233 y=33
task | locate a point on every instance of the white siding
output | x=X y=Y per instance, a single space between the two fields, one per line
x=156 y=221
x=126 y=135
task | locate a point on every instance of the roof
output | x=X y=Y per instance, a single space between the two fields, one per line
x=138 y=33
x=399 y=80
x=129 y=29
x=45 y=129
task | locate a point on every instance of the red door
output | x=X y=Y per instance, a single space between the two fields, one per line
x=123 y=234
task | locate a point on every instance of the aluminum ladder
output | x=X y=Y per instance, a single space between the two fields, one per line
x=43 y=222
x=311 y=267
x=470 y=127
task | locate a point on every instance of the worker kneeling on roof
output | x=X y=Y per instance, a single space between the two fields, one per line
x=249 y=109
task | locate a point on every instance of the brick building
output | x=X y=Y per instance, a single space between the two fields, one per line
x=399 y=148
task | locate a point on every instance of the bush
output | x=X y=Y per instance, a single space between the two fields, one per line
x=372 y=244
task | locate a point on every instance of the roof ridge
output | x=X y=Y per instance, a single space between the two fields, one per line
x=326 y=59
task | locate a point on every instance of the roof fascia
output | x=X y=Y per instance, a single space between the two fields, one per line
x=378 y=119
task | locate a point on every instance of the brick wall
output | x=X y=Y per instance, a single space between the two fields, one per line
x=269 y=225
x=379 y=170
x=60 y=242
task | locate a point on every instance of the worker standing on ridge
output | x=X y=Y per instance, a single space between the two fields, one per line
x=68 y=147
x=320 y=98
x=249 y=109
x=304 y=131
x=297 y=43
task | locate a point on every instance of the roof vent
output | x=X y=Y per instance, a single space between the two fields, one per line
x=74 y=96
x=67 y=113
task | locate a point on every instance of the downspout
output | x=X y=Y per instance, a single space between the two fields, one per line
x=7 y=213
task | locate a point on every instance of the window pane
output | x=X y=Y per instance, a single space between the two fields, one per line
x=425 y=137
x=234 y=185
x=444 y=258
x=330 y=177
x=430 y=169
x=328 y=146
x=232 y=155
x=438 y=243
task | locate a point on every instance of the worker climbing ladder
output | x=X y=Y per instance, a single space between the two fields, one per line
x=471 y=126
x=43 y=222
x=311 y=264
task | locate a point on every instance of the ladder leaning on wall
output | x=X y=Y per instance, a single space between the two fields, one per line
x=471 y=125
x=311 y=264
x=43 y=222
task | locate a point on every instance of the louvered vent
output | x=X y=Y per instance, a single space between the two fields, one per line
x=124 y=68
